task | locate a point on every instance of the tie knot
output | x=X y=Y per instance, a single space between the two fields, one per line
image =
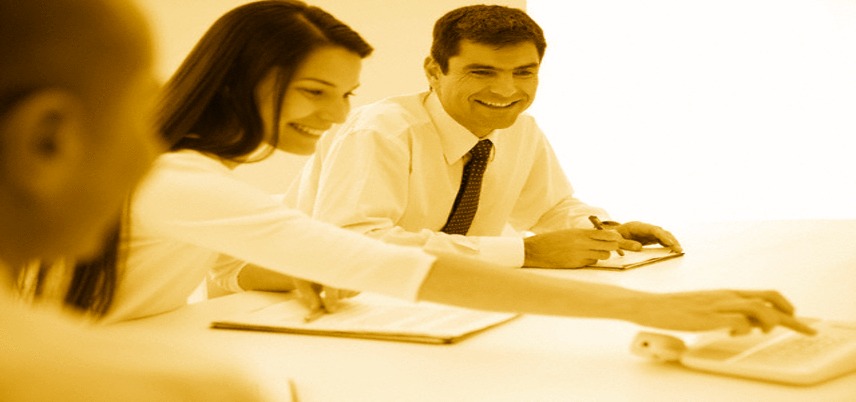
x=482 y=150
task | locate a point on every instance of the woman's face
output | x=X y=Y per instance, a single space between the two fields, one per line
x=317 y=97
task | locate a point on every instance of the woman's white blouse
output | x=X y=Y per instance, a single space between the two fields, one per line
x=190 y=210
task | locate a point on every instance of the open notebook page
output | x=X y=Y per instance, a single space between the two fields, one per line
x=634 y=259
x=371 y=316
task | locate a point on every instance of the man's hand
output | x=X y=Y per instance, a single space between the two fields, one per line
x=638 y=234
x=569 y=248
x=737 y=310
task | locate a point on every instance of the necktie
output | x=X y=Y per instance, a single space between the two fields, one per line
x=467 y=200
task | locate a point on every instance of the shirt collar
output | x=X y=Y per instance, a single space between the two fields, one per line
x=454 y=138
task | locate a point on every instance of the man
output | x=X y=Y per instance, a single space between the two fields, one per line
x=75 y=87
x=394 y=169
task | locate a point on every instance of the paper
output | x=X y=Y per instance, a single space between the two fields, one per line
x=371 y=316
x=633 y=259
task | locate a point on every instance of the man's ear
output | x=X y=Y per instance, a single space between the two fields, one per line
x=42 y=142
x=432 y=70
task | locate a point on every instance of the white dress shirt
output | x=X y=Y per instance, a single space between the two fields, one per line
x=393 y=169
x=189 y=211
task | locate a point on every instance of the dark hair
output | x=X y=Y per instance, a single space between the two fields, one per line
x=209 y=104
x=485 y=24
x=93 y=281
x=84 y=47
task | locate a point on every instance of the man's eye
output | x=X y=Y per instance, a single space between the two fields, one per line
x=482 y=73
x=524 y=73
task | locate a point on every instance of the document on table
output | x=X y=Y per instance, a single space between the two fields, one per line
x=634 y=259
x=371 y=316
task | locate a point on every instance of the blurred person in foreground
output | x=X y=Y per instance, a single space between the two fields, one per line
x=76 y=83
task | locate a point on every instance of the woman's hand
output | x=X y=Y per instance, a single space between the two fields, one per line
x=320 y=299
x=738 y=310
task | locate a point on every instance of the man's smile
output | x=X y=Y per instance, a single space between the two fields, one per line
x=497 y=105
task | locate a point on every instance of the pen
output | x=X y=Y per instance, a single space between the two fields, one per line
x=599 y=226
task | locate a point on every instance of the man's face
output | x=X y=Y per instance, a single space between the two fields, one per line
x=122 y=141
x=73 y=150
x=486 y=87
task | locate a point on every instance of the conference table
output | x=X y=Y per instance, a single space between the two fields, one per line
x=540 y=358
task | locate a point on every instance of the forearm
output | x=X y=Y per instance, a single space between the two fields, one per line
x=470 y=283
x=498 y=250
x=569 y=212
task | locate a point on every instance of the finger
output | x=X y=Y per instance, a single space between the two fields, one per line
x=631 y=245
x=757 y=312
x=740 y=325
x=330 y=298
x=599 y=255
x=308 y=294
x=735 y=323
x=601 y=244
x=314 y=314
x=347 y=294
x=605 y=235
x=666 y=239
x=770 y=296
x=676 y=246
x=797 y=325
x=302 y=288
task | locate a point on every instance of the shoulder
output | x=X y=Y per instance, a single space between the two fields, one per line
x=527 y=124
x=385 y=126
x=524 y=133
x=188 y=161
x=186 y=177
x=389 y=117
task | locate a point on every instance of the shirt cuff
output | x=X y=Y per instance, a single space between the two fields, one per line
x=225 y=274
x=502 y=250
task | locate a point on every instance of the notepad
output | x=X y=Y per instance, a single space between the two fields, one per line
x=374 y=317
x=634 y=259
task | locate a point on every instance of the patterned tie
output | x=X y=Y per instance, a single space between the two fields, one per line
x=467 y=201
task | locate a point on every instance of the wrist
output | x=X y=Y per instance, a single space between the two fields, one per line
x=634 y=306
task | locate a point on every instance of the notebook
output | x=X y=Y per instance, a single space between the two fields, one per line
x=781 y=355
x=371 y=316
x=635 y=259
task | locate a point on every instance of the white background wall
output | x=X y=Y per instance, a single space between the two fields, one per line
x=399 y=30
x=671 y=110
x=662 y=110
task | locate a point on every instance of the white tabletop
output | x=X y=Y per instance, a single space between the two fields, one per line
x=535 y=358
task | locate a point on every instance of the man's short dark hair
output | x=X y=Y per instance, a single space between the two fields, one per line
x=484 y=24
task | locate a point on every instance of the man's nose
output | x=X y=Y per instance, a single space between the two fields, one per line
x=503 y=85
